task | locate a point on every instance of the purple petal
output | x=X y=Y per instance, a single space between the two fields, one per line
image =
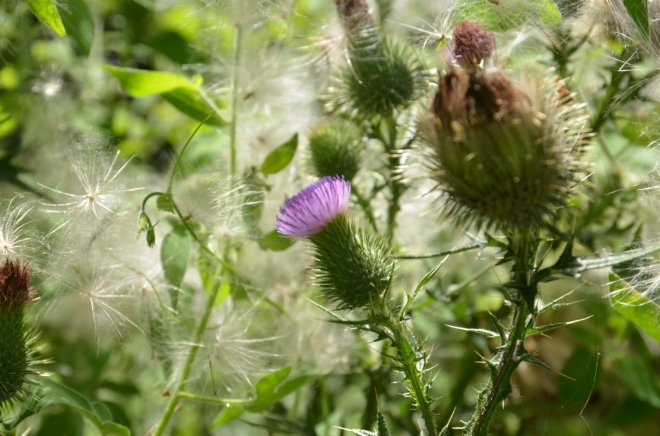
x=309 y=211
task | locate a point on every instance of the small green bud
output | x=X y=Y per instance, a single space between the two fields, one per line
x=353 y=267
x=14 y=295
x=144 y=225
x=335 y=150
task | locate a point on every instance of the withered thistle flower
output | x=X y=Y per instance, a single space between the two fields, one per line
x=353 y=267
x=14 y=338
x=471 y=44
x=504 y=157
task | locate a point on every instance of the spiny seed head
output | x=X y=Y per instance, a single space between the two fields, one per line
x=14 y=286
x=504 y=157
x=471 y=44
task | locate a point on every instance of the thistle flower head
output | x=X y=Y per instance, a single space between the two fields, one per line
x=504 y=157
x=14 y=286
x=14 y=337
x=309 y=211
x=353 y=267
x=471 y=44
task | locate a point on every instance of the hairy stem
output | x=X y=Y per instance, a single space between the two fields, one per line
x=414 y=377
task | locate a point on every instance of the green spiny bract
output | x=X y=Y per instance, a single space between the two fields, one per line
x=503 y=157
x=380 y=77
x=14 y=294
x=353 y=267
x=335 y=150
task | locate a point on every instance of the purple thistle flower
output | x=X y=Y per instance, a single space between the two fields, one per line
x=309 y=211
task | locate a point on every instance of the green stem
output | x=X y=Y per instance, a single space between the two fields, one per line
x=234 y=100
x=214 y=400
x=507 y=361
x=396 y=187
x=187 y=366
x=414 y=379
x=177 y=162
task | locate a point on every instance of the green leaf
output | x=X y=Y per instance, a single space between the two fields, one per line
x=581 y=371
x=46 y=11
x=640 y=376
x=165 y=202
x=279 y=158
x=273 y=241
x=190 y=102
x=96 y=413
x=635 y=306
x=141 y=83
x=227 y=415
x=176 y=90
x=78 y=22
x=548 y=13
x=269 y=390
x=266 y=385
x=174 y=255
x=505 y=15
x=638 y=11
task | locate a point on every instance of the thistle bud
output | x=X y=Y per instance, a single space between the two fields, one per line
x=503 y=157
x=14 y=295
x=471 y=44
x=354 y=15
x=335 y=151
x=353 y=267
x=380 y=78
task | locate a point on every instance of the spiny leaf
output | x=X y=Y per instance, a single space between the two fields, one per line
x=482 y=332
x=531 y=331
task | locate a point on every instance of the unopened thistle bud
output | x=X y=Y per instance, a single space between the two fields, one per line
x=471 y=44
x=335 y=150
x=14 y=295
x=353 y=267
x=503 y=157
x=379 y=77
x=354 y=15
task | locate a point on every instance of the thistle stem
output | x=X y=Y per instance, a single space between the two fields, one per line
x=494 y=391
x=413 y=375
x=190 y=359
x=498 y=386
x=396 y=187
x=234 y=100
